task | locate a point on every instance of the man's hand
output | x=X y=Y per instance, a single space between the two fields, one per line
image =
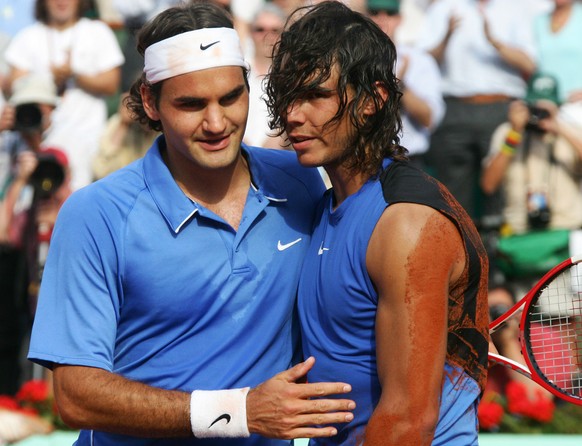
x=549 y=124
x=453 y=23
x=282 y=407
x=61 y=74
x=518 y=115
x=26 y=164
x=575 y=96
x=7 y=117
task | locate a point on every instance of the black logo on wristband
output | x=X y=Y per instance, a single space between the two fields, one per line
x=224 y=416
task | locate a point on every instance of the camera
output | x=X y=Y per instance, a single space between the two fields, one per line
x=496 y=311
x=48 y=176
x=538 y=216
x=536 y=114
x=28 y=118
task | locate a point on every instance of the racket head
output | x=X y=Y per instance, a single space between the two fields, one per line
x=551 y=330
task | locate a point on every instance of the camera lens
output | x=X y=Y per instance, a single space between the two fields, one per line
x=539 y=213
x=48 y=176
x=28 y=118
x=496 y=311
x=536 y=115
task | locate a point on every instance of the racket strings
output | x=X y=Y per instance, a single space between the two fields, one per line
x=555 y=331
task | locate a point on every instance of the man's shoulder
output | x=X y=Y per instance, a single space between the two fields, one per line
x=118 y=190
x=273 y=157
x=282 y=163
x=403 y=182
x=278 y=172
x=27 y=35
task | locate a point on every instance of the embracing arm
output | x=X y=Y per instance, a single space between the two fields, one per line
x=414 y=254
x=92 y=398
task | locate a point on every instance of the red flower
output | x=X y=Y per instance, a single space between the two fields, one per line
x=489 y=414
x=34 y=391
x=543 y=408
x=34 y=398
x=538 y=407
x=517 y=399
x=7 y=402
x=29 y=411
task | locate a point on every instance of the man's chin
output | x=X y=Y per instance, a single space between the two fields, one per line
x=306 y=161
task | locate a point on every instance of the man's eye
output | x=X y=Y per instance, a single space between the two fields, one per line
x=192 y=105
x=232 y=98
x=311 y=96
x=229 y=100
x=316 y=94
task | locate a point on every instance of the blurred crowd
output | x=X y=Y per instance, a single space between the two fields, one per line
x=491 y=106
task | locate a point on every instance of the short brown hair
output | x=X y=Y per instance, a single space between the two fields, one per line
x=41 y=10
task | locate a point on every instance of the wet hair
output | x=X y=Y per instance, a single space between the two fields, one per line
x=41 y=11
x=169 y=23
x=315 y=41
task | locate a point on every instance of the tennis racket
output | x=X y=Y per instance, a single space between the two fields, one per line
x=550 y=332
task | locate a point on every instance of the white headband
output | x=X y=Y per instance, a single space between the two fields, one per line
x=193 y=51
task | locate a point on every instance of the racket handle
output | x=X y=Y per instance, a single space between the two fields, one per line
x=510 y=363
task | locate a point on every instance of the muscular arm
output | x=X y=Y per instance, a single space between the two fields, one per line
x=413 y=256
x=92 y=398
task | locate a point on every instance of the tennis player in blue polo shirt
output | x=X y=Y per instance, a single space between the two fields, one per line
x=167 y=305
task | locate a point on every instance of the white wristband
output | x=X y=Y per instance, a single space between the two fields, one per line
x=219 y=413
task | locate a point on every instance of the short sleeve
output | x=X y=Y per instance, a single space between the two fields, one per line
x=79 y=302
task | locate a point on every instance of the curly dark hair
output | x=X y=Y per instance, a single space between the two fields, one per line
x=315 y=41
x=169 y=23
x=41 y=11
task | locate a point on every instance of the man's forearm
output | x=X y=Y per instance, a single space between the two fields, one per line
x=91 y=398
x=516 y=58
x=105 y=83
x=281 y=407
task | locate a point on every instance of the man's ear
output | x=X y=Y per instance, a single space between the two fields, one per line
x=381 y=93
x=149 y=103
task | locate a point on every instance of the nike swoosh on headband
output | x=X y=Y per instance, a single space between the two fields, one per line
x=205 y=47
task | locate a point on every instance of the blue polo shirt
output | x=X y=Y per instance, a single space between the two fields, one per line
x=144 y=282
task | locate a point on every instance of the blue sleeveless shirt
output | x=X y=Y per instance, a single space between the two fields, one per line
x=337 y=308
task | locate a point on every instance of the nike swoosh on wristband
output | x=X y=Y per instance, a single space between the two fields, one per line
x=205 y=47
x=224 y=416
x=282 y=247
